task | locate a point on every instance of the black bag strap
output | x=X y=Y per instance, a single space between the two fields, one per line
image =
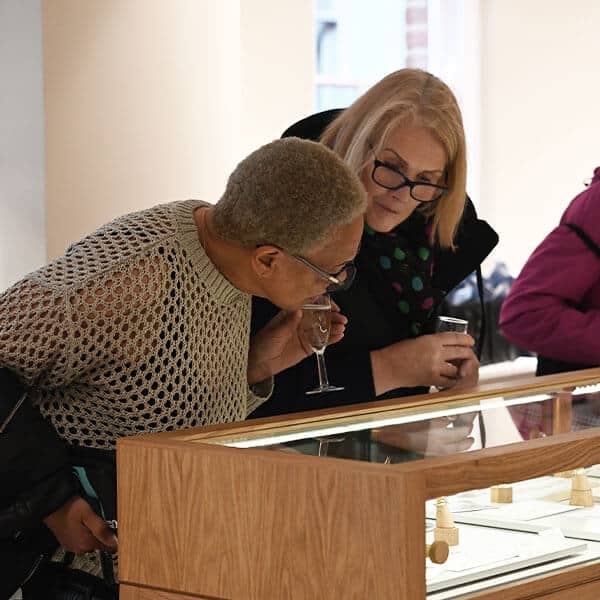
x=483 y=320
x=12 y=412
x=585 y=238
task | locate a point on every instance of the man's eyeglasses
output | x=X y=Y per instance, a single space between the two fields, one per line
x=391 y=178
x=335 y=283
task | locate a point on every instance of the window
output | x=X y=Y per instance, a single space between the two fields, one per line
x=358 y=43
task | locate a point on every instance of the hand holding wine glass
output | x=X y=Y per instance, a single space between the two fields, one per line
x=280 y=344
x=316 y=328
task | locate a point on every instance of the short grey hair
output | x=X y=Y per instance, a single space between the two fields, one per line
x=291 y=193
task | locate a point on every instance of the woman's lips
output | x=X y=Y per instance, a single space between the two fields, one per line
x=386 y=208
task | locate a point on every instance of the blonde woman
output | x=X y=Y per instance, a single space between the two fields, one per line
x=404 y=138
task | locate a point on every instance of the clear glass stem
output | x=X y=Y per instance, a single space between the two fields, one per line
x=323 y=447
x=323 y=381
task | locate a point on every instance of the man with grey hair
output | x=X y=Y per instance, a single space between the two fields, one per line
x=143 y=326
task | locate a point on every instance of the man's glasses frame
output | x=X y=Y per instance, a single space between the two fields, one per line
x=335 y=283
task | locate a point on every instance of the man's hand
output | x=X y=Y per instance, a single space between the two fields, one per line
x=424 y=361
x=79 y=529
x=280 y=345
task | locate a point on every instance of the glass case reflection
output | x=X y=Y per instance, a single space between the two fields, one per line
x=436 y=428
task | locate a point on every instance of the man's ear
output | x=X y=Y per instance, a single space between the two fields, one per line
x=265 y=260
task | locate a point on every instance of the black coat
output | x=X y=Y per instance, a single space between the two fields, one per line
x=35 y=480
x=35 y=471
x=348 y=361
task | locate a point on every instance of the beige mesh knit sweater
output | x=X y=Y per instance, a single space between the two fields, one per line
x=132 y=330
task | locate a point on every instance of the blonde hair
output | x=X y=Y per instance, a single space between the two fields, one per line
x=292 y=193
x=408 y=97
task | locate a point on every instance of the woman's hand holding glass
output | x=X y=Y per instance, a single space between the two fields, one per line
x=468 y=369
x=426 y=361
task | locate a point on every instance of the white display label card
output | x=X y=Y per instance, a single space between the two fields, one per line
x=474 y=560
x=529 y=510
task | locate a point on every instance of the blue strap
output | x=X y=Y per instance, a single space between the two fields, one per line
x=88 y=488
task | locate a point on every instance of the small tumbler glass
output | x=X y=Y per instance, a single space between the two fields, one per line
x=451 y=324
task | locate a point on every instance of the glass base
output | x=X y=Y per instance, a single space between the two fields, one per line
x=325 y=388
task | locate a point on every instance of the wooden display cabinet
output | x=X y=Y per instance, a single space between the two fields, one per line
x=201 y=519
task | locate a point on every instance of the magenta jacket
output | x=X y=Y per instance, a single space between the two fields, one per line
x=553 y=307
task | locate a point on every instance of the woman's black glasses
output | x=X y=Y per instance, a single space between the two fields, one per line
x=391 y=178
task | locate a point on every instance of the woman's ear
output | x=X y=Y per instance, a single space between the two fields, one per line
x=265 y=260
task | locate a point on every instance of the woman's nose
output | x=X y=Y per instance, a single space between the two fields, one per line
x=401 y=194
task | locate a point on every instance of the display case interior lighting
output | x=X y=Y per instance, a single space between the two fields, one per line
x=248 y=441
x=586 y=389
x=500 y=401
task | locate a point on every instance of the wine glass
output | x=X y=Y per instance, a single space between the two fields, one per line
x=325 y=441
x=315 y=327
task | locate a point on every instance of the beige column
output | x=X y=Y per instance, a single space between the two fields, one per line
x=277 y=68
x=540 y=118
x=148 y=101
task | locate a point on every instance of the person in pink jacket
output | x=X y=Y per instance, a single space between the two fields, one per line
x=553 y=308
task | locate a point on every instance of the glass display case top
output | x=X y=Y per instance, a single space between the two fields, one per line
x=433 y=427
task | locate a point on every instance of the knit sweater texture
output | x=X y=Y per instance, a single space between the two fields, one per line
x=133 y=330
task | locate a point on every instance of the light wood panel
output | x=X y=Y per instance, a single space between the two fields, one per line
x=235 y=524
x=131 y=592
x=581 y=583
x=588 y=591
x=506 y=464
x=562 y=413
x=208 y=521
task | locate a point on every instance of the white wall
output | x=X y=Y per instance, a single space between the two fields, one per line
x=277 y=68
x=22 y=237
x=540 y=115
x=149 y=101
x=454 y=55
